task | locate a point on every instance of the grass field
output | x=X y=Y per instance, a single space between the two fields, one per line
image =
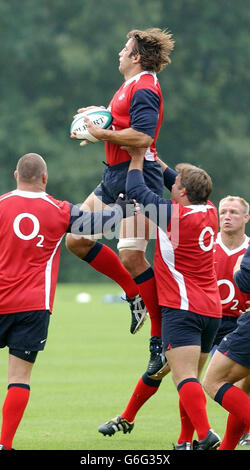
x=86 y=375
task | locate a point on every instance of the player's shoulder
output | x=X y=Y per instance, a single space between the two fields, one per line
x=211 y=205
x=57 y=203
x=6 y=195
x=145 y=80
x=193 y=209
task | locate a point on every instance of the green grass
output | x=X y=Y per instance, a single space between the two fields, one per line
x=86 y=375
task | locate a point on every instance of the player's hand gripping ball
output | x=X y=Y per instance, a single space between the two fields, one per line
x=101 y=117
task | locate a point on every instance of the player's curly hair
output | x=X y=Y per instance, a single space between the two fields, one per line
x=154 y=46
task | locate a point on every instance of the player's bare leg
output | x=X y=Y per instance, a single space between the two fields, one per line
x=80 y=246
x=19 y=371
x=221 y=370
x=106 y=261
x=136 y=228
x=134 y=236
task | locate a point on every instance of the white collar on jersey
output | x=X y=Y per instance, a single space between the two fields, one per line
x=197 y=208
x=235 y=250
x=28 y=194
x=138 y=76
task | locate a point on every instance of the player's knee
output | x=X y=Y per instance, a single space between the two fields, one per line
x=133 y=261
x=70 y=242
x=78 y=245
x=132 y=252
x=245 y=385
x=210 y=387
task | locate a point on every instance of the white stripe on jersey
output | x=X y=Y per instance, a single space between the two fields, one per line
x=48 y=272
x=30 y=195
x=197 y=208
x=167 y=253
x=137 y=77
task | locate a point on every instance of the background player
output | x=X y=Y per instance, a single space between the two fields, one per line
x=231 y=242
x=32 y=226
x=137 y=109
x=230 y=363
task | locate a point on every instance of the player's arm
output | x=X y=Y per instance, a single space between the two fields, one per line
x=169 y=174
x=242 y=272
x=144 y=110
x=137 y=156
x=158 y=209
x=124 y=137
x=90 y=223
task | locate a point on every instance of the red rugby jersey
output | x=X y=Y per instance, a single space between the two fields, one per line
x=232 y=299
x=32 y=226
x=124 y=108
x=184 y=260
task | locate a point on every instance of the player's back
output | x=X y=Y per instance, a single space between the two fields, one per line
x=184 y=260
x=32 y=226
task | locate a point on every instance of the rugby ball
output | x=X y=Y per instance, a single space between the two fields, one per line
x=99 y=116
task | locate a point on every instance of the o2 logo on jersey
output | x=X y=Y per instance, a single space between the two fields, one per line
x=231 y=294
x=34 y=233
x=202 y=236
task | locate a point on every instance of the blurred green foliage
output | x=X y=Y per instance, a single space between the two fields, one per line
x=57 y=56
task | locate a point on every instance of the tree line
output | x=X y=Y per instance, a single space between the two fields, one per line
x=57 y=56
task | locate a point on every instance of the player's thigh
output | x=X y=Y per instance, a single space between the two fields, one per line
x=222 y=369
x=77 y=243
x=92 y=203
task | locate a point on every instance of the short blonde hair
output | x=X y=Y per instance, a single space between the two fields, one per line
x=243 y=202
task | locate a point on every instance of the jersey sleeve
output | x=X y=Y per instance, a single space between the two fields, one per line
x=154 y=207
x=144 y=111
x=169 y=176
x=90 y=223
x=242 y=277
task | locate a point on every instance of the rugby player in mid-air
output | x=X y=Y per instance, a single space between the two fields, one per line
x=137 y=110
